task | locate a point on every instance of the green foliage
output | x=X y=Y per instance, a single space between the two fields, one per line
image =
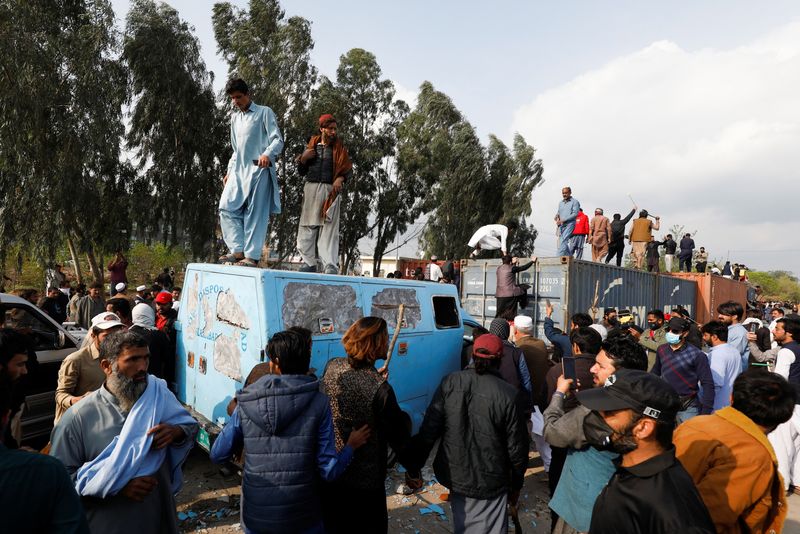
x=176 y=129
x=61 y=94
x=777 y=285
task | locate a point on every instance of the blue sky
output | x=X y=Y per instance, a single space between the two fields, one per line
x=687 y=105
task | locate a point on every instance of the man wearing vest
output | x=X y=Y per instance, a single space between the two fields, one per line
x=284 y=423
x=786 y=438
x=641 y=235
x=508 y=292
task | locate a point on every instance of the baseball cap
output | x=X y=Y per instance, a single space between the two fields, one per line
x=164 y=297
x=106 y=320
x=141 y=288
x=639 y=391
x=120 y=287
x=523 y=321
x=677 y=324
x=490 y=345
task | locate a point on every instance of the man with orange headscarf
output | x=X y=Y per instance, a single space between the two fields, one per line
x=326 y=166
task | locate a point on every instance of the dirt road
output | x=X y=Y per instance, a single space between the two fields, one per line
x=209 y=501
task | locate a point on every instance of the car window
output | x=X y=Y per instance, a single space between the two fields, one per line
x=322 y=308
x=28 y=321
x=445 y=312
x=386 y=302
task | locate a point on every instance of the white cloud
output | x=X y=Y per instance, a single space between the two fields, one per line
x=709 y=139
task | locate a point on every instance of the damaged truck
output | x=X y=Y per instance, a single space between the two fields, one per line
x=228 y=315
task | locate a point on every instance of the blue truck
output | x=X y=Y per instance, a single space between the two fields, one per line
x=228 y=314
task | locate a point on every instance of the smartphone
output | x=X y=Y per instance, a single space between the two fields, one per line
x=255 y=162
x=753 y=327
x=568 y=367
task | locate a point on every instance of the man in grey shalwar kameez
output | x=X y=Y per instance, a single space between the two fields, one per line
x=326 y=166
x=87 y=431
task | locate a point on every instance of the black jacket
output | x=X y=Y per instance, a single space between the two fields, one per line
x=670 y=246
x=618 y=228
x=656 y=496
x=484 y=443
x=687 y=247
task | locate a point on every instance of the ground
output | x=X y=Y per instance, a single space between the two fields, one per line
x=209 y=502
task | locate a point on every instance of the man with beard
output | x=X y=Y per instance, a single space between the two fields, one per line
x=650 y=491
x=586 y=469
x=90 y=305
x=124 y=444
x=731 y=313
x=327 y=166
x=641 y=235
x=14 y=354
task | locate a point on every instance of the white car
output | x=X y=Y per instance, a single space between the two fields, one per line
x=52 y=343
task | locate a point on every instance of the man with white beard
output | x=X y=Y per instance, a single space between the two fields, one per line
x=124 y=444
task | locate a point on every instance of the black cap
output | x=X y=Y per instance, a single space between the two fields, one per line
x=678 y=324
x=636 y=390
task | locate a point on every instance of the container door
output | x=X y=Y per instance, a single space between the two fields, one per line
x=222 y=338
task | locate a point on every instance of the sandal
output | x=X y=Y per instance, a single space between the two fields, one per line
x=247 y=262
x=228 y=259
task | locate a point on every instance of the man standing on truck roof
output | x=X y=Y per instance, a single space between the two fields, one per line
x=617 y=246
x=568 y=210
x=250 y=191
x=327 y=166
x=641 y=235
x=599 y=235
x=125 y=443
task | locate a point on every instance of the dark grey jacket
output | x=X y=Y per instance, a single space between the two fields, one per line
x=484 y=443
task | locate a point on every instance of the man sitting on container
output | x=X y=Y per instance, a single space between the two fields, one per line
x=124 y=444
x=508 y=292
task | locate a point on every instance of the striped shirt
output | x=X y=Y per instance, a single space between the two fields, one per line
x=687 y=370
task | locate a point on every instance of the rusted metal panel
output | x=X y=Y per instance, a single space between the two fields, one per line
x=713 y=290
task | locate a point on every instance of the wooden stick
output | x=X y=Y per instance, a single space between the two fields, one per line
x=398 y=325
x=594 y=302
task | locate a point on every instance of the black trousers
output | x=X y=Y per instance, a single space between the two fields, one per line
x=558 y=457
x=346 y=510
x=701 y=266
x=685 y=264
x=616 y=249
x=505 y=303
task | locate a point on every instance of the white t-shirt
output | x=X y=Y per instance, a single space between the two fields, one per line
x=433 y=272
x=783 y=361
x=490 y=237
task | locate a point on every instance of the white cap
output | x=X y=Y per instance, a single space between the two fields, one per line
x=141 y=288
x=120 y=287
x=602 y=330
x=106 y=320
x=523 y=321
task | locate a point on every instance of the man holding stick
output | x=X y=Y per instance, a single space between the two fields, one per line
x=641 y=235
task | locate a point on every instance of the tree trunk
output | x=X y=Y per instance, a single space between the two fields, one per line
x=73 y=252
x=97 y=272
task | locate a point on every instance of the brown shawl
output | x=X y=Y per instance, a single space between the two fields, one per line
x=341 y=166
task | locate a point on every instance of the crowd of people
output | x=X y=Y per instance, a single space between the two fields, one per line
x=607 y=238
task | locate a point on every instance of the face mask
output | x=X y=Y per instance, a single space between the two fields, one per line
x=624 y=442
x=652 y=326
x=673 y=339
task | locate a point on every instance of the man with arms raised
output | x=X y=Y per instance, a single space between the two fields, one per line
x=124 y=444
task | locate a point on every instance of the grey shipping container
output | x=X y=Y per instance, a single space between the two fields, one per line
x=572 y=286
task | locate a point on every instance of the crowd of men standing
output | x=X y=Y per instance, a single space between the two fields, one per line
x=607 y=238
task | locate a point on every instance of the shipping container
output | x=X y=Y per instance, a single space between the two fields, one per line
x=574 y=286
x=713 y=290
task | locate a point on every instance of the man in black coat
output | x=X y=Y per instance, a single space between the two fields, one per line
x=617 y=245
x=686 y=253
x=483 y=451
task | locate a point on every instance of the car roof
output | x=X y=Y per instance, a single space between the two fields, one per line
x=8 y=298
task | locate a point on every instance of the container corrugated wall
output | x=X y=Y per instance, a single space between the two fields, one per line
x=570 y=287
x=713 y=290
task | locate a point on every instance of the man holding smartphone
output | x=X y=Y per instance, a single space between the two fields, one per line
x=250 y=191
